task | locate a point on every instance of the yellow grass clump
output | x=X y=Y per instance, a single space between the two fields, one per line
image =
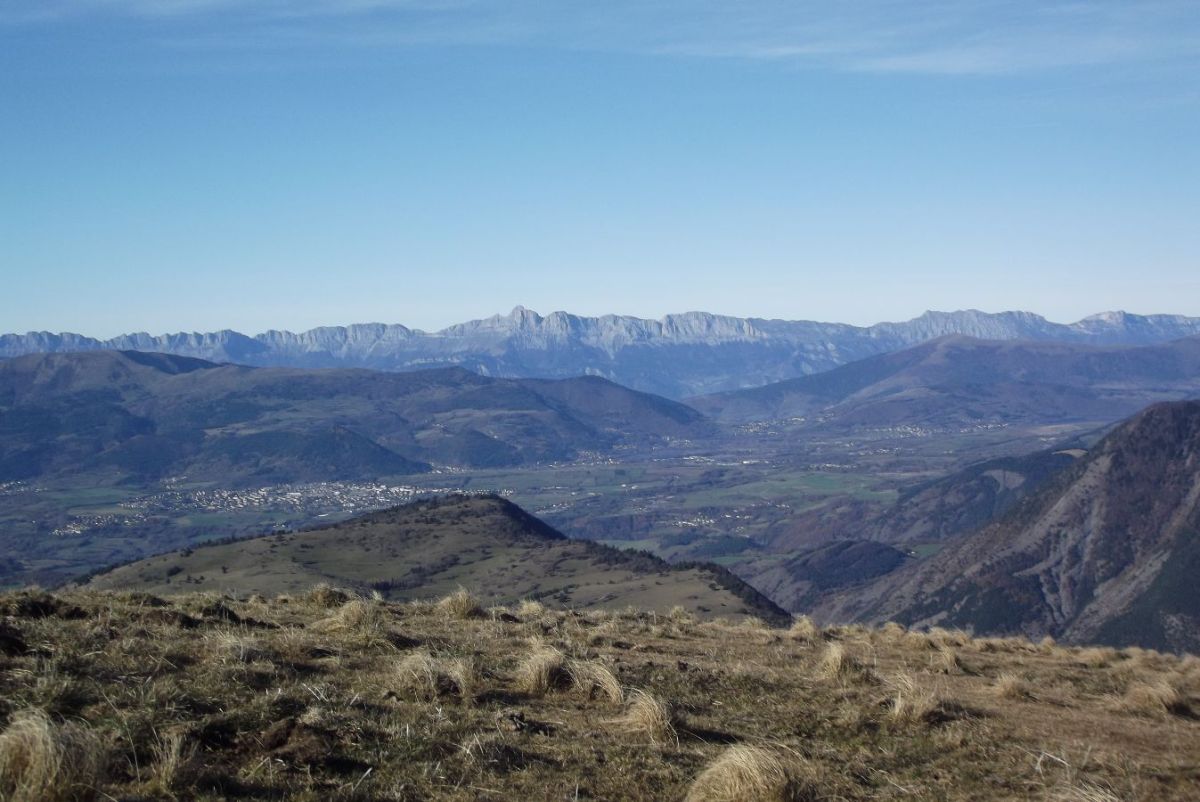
x=460 y=605
x=595 y=680
x=365 y=620
x=1011 y=686
x=681 y=615
x=356 y=614
x=804 y=629
x=424 y=676
x=946 y=661
x=1152 y=697
x=646 y=715
x=911 y=703
x=1095 y=656
x=530 y=610
x=176 y=763
x=236 y=647
x=325 y=595
x=745 y=773
x=41 y=761
x=543 y=669
x=838 y=664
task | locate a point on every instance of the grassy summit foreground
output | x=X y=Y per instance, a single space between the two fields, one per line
x=326 y=695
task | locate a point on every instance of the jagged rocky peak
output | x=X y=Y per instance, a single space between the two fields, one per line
x=972 y=323
x=1112 y=317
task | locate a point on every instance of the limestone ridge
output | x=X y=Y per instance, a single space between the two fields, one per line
x=678 y=355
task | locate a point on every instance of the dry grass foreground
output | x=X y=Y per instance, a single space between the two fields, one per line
x=327 y=696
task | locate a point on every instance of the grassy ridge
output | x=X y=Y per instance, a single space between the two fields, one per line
x=436 y=545
x=326 y=695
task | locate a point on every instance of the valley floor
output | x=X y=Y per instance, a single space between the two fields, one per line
x=328 y=696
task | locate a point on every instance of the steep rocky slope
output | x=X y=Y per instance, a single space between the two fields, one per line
x=1107 y=551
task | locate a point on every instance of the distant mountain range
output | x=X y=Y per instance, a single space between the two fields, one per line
x=677 y=356
x=432 y=547
x=958 y=380
x=136 y=417
x=1108 y=551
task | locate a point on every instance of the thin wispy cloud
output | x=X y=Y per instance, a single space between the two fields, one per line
x=983 y=37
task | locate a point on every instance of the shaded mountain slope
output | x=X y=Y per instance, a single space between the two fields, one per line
x=802 y=580
x=954 y=505
x=1109 y=550
x=958 y=380
x=679 y=355
x=141 y=416
x=430 y=548
x=847 y=542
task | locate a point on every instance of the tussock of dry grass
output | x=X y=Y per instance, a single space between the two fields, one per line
x=946 y=661
x=460 y=605
x=355 y=616
x=745 y=773
x=804 y=629
x=1154 y=697
x=1011 y=686
x=543 y=669
x=41 y=761
x=681 y=615
x=423 y=676
x=595 y=680
x=1095 y=657
x=530 y=610
x=176 y=764
x=912 y=703
x=646 y=715
x=327 y=596
x=1003 y=645
x=837 y=664
x=755 y=625
x=237 y=647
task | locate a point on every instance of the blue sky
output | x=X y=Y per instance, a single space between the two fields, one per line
x=200 y=164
